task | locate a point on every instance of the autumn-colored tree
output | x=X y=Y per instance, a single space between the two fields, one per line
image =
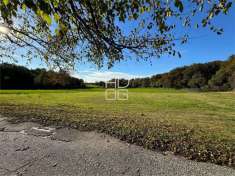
x=65 y=31
x=223 y=79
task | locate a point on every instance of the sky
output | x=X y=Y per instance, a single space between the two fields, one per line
x=205 y=46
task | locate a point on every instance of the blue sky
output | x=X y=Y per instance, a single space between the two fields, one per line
x=206 y=46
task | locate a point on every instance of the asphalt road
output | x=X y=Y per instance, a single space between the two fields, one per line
x=29 y=149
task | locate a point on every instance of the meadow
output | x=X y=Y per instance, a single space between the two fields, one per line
x=197 y=125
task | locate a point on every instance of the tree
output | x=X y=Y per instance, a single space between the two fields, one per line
x=197 y=81
x=64 y=31
x=223 y=79
x=15 y=77
x=216 y=75
x=19 y=77
x=57 y=80
x=232 y=81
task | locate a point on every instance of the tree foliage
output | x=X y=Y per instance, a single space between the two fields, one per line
x=224 y=78
x=19 y=77
x=216 y=75
x=65 y=31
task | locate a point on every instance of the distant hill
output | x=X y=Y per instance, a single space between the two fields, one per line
x=216 y=76
x=19 y=77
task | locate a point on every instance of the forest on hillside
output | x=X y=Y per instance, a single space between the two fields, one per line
x=19 y=77
x=216 y=76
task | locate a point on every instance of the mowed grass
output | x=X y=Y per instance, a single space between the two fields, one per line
x=198 y=125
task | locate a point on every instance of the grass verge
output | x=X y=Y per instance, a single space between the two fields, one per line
x=193 y=142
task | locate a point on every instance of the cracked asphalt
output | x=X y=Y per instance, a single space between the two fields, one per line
x=30 y=149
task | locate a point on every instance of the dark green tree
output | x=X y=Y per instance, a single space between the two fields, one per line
x=15 y=77
x=19 y=77
x=223 y=79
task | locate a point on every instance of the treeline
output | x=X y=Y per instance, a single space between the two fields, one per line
x=19 y=77
x=217 y=76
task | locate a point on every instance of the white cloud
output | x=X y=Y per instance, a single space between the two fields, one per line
x=95 y=76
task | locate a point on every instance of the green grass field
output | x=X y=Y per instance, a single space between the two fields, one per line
x=198 y=125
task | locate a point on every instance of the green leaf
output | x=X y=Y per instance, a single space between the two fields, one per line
x=201 y=7
x=204 y=22
x=168 y=13
x=63 y=27
x=135 y=16
x=24 y=7
x=229 y=5
x=56 y=3
x=211 y=15
x=142 y=9
x=56 y=17
x=57 y=32
x=179 y=5
x=47 y=18
x=6 y=2
x=179 y=55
